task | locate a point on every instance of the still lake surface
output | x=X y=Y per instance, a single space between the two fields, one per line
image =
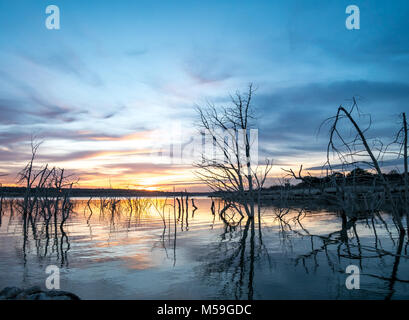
x=131 y=251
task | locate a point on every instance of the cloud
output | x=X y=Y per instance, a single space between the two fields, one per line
x=19 y=134
x=136 y=52
x=13 y=112
x=329 y=95
x=396 y=163
x=13 y=155
x=83 y=155
x=305 y=62
x=30 y=107
x=66 y=61
x=292 y=116
x=206 y=67
x=144 y=167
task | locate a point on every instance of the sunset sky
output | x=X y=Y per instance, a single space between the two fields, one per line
x=104 y=91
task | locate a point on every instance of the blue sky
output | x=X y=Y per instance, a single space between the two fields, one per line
x=117 y=71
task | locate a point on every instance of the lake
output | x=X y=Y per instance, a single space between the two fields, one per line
x=139 y=249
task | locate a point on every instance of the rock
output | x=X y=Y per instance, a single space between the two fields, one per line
x=21 y=296
x=59 y=293
x=37 y=296
x=60 y=298
x=10 y=292
x=28 y=294
x=35 y=293
x=32 y=290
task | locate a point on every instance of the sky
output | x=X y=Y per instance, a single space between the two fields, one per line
x=105 y=90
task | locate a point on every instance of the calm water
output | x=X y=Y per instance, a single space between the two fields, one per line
x=124 y=251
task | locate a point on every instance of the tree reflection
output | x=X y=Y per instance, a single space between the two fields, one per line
x=231 y=263
x=237 y=261
x=232 y=260
x=43 y=225
x=348 y=245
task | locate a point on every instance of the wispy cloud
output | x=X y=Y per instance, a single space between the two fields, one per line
x=94 y=92
x=66 y=61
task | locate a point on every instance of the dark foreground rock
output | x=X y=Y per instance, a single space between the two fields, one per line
x=35 y=293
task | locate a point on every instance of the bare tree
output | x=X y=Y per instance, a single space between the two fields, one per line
x=40 y=181
x=357 y=150
x=405 y=163
x=401 y=140
x=232 y=172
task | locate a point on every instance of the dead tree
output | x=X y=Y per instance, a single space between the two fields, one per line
x=357 y=150
x=405 y=163
x=47 y=195
x=401 y=140
x=260 y=179
x=227 y=128
x=194 y=207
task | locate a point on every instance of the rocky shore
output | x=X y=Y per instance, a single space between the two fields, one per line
x=35 y=293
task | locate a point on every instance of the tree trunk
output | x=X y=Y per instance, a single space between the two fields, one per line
x=405 y=163
x=378 y=170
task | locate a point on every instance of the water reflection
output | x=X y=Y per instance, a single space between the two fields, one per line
x=42 y=225
x=233 y=261
x=347 y=245
x=206 y=244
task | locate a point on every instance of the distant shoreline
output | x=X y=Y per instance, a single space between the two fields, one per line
x=87 y=193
